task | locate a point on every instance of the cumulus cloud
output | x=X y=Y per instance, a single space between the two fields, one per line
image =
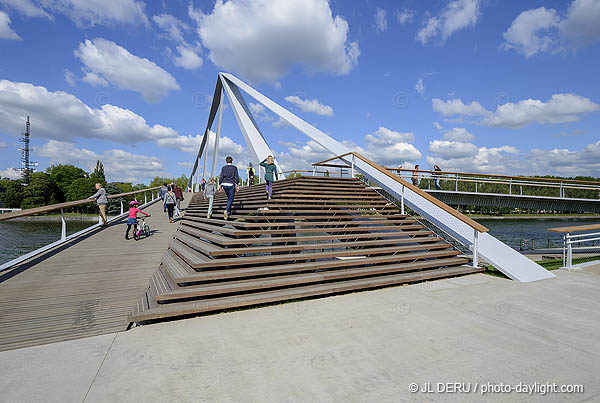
x=485 y=160
x=6 y=32
x=459 y=134
x=187 y=54
x=381 y=24
x=70 y=77
x=457 y=15
x=452 y=149
x=3 y=144
x=389 y=147
x=453 y=107
x=10 y=173
x=438 y=126
x=86 y=13
x=312 y=105
x=404 y=16
x=262 y=40
x=94 y=79
x=63 y=117
x=119 y=165
x=117 y=65
x=259 y=112
x=542 y=30
x=565 y=162
x=561 y=108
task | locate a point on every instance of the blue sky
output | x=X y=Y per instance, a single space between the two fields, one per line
x=484 y=86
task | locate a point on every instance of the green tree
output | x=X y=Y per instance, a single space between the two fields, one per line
x=41 y=191
x=13 y=195
x=64 y=175
x=98 y=174
x=81 y=188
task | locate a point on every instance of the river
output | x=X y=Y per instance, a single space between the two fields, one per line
x=20 y=237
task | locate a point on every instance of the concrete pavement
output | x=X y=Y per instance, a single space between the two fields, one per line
x=363 y=347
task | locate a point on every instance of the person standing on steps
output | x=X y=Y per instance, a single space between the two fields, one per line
x=415 y=176
x=250 y=174
x=210 y=189
x=229 y=182
x=270 y=174
x=169 y=201
x=101 y=200
x=437 y=174
x=202 y=184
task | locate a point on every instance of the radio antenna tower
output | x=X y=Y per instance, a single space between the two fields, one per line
x=27 y=167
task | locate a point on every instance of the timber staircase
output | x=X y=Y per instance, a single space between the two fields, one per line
x=318 y=237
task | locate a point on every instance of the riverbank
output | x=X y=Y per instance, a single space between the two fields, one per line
x=533 y=217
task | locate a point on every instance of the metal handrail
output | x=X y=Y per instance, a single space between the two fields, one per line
x=60 y=206
x=569 y=240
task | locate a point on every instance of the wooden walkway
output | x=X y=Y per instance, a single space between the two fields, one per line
x=86 y=289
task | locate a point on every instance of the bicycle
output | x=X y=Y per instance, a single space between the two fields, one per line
x=141 y=228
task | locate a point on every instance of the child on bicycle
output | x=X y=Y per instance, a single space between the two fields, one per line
x=132 y=220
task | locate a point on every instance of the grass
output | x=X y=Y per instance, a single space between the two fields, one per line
x=551 y=264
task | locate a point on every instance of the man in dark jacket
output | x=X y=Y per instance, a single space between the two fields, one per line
x=229 y=181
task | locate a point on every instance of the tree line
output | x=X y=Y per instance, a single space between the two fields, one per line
x=63 y=183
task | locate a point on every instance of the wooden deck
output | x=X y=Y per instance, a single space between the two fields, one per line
x=88 y=288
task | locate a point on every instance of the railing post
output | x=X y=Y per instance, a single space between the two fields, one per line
x=569 y=252
x=314 y=170
x=145 y=198
x=475 y=187
x=561 y=190
x=475 y=247
x=521 y=190
x=121 y=206
x=457 y=182
x=63 y=232
x=402 y=201
x=510 y=187
x=353 y=165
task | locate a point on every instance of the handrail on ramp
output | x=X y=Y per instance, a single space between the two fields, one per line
x=465 y=230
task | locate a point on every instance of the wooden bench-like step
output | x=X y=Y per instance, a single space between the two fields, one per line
x=236 y=301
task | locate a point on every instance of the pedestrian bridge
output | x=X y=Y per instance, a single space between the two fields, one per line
x=488 y=190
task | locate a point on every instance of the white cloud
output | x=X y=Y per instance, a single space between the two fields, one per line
x=301 y=156
x=405 y=16
x=530 y=32
x=10 y=173
x=454 y=107
x=262 y=40
x=85 y=13
x=542 y=30
x=187 y=55
x=452 y=149
x=561 y=108
x=280 y=123
x=259 y=112
x=119 y=165
x=125 y=70
x=3 y=144
x=389 y=147
x=438 y=126
x=187 y=58
x=186 y=164
x=94 y=79
x=565 y=162
x=61 y=116
x=496 y=160
x=457 y=15
x=312 y=105
x=381 y=24
x=459 y=134
x=70 y=77
x=420 y=87
x=6 y=32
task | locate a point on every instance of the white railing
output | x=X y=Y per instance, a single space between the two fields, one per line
x=571 y=240
x=8 y=210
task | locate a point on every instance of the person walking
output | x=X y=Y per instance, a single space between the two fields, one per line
x=169 y=201
x=202 y=184
x=415 y=176
x=161 y=193
x=101 y=200
x=437 y=174
x=209 y=192
x=179 y=197
x=250 y=174
x=270 y=174
x=229 y=182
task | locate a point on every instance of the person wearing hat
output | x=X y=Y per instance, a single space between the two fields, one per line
x=132 y=220
x=270 y=174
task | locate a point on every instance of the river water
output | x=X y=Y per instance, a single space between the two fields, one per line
x=20 y=237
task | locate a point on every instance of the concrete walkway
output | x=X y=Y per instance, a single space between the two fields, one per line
x=363 y=347
x=87 y=287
